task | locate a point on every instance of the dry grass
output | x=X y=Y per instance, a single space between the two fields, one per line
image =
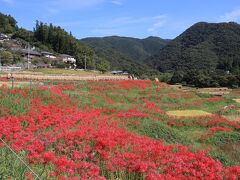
x=215 y=91
x=234 y=117
x=237 y=100
x=188 y=113
x=56 y=71
x=19 y=84
x=65 y=77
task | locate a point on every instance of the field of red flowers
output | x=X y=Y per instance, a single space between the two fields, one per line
x=115 y=130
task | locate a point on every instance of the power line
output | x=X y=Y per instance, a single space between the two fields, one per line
x=20 y=159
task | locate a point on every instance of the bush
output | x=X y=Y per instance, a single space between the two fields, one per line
x=103 y=67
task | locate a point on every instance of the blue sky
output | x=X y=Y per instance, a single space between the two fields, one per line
x=135 y=18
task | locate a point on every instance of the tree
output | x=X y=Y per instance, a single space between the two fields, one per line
x=17 y=58
x=6 y=57
x=60 y=41
x=7 y=24
x=24 y=35
x=177 y=77
x=104 y=66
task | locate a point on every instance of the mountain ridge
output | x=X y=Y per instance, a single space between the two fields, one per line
x=126 y=53
x=200 y=46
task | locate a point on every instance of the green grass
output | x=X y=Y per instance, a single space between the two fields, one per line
x=10 y=166
x=160 y=131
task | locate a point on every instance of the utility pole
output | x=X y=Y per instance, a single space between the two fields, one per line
x=85 y=62
x=95 y=60
x=28 y=58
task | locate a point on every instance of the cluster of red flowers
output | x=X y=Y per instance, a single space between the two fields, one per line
x=84 y=144
x=123 y=84
x=211 y=131
x=81 y=144
x=214 y=99
x=219 y=129
x=207 y=122
x=151 y=106
x=131 y=113
x=201 y=101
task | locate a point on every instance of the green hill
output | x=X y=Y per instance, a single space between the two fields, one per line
x=202 y=46
x=132 y=48
x=125 y=53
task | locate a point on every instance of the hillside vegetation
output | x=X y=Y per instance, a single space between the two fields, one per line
x=132 y=48
x=127 y=53
x=7 y=24
x=202 y=46
x=205 y=51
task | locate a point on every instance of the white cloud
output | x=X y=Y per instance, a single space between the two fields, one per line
x=117 y=2
x=231 y=16
x=124 y=25
x=159 y=21
x=122 y=21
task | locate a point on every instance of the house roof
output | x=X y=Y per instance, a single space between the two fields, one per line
x=116 y=72
x=65 y=56
x=47 y=53
x=3 y=35
x=31 y=52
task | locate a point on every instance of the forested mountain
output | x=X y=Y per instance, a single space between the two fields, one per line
x=133 y=49
x=202 y=46
x=126 y=53
x=205 y=55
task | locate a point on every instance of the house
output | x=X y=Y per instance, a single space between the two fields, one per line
x=67 y=58
x=119 y=73
x=48 y=55
x=3 y=37
x=30 y=53
x=116 y=72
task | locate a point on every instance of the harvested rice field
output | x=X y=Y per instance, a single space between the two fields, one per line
x=188 y=113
